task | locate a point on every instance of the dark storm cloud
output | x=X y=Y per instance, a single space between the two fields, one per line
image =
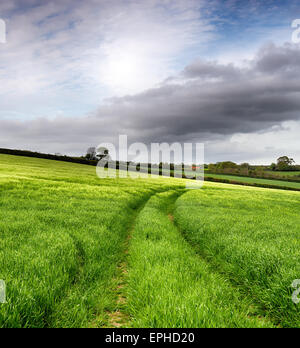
x=201 y=69
x=274 y=59
x=211 y=98
x=205 y=101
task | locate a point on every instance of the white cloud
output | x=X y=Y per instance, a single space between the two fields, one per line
x=95 y=48
x=64 y=57
x=267 y=146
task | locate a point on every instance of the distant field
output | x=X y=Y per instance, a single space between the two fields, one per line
x=244 y=179
x=79 y=251
x=289 y=174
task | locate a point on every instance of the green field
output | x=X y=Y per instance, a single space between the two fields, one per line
x=248 y=180
x=285 y=174
x=252 y=238
x=79 y=251
x=62 y=234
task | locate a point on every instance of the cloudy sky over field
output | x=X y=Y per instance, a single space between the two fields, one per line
x=224 y=72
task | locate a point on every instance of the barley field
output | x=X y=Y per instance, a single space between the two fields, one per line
x=79 y=251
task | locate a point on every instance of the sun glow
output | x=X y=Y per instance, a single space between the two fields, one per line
x=130 y=67
x=124 y=70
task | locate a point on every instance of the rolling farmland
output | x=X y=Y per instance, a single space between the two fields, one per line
x=79 y=251
x=254 y=181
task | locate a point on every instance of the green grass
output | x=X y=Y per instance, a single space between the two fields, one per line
x=169 y=285
x=251 y=236
x=245 y=179
x=62 y=233
x=285 y=174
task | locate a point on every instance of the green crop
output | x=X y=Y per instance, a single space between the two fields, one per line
x=80 y=251
x=251 y=236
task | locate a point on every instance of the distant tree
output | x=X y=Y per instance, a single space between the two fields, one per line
x=91 y=153
x=259 y=171
x=226 y=164
x=211 y=167
x=273 y=166
x=244 y=168
x=284 y=163
x=245 y=165
x=227 y=167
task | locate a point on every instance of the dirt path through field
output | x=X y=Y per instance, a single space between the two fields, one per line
x=119 y=317
x=167 y=238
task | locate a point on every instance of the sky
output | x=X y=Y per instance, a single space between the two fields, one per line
x=225 y=73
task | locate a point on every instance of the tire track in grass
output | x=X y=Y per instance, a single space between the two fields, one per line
x=213 y=260
x=169 y=285
x=119 y=317
x=254 y=307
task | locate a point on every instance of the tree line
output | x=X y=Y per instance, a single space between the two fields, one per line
x=283 y=164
